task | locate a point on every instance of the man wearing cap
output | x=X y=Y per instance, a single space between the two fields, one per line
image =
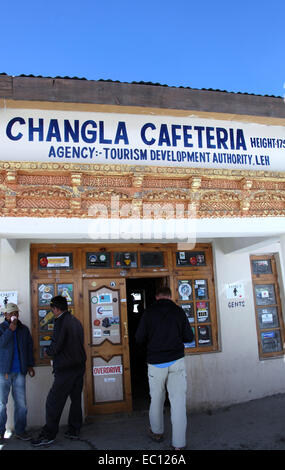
x=16 y=360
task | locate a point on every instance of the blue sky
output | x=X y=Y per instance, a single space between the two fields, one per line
x=234 y=46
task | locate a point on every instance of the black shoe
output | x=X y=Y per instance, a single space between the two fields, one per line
x=42 y=440
x=74 y=435
x=24 y=436
x=2 y=439
x=155 y=437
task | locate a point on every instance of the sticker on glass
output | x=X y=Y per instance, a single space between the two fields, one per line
x=104 y=310
x=47 y=318
x=189 y=313
x=185 y=290
x=105 y=298
x=66 y=290
x=96 y=333
x=46 y=293
x=204 y=336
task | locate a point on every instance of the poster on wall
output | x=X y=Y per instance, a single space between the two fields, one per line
x=235 y=290
x=7 y=297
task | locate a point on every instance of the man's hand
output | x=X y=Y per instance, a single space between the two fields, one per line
x=13 y=324
x=31 y=372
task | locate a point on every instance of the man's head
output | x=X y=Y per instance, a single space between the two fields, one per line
x=11 y=310
x=58 y=305
x=163 y=293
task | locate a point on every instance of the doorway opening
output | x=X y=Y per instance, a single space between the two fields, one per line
x=140 y=295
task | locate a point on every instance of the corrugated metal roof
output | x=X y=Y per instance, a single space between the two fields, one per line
x=141 y=83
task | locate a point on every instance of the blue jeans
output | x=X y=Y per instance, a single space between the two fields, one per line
x=18 y=383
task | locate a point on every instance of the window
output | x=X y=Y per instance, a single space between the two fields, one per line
x=43 y=320
x=152 y=259
x=196 y=295
x=269 y=321
x=125 y=259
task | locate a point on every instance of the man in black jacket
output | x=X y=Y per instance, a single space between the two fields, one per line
x=164 y=327
x=68 y=354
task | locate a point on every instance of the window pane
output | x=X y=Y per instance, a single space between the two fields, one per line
x=268 y=317
x=46 y=293
x=185 y=290
x=201 y=290
x=98 y=260
x=204 y=335
x=193 y=344
x=265 y=294
x=125 y=260
x=262 y=266
x=203 y=312
x=188 y=309
x=271 y=341
x=152 y=259
x=190 y=258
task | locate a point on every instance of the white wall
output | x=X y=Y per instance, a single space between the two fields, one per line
x=235 y=374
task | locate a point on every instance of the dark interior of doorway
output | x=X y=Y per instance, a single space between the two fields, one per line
x=140 y=295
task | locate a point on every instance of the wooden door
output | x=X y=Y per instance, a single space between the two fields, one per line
x=107 y=346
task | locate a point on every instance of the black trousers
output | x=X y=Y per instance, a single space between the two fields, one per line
x=67 y=383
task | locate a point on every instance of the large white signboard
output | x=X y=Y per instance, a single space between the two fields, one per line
x=82 y=137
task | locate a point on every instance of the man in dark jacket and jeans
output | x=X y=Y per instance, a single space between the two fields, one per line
x=68 y=354
x=164 y=327
x=16 y=360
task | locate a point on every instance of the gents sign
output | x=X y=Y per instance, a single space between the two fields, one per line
x=81 y=137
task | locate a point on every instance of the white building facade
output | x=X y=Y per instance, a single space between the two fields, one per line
x=108 y=190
